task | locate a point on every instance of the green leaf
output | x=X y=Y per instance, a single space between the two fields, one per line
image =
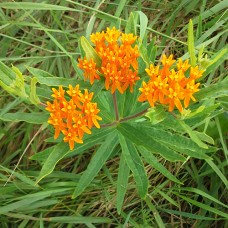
x=193 y=135
x=144 y=54
x=143 y=23
x=191 y=46
x=156 y=114
x=19 y=204
x=187 y=215
x=35 y=117
x=152 y=160
x=204 y=137
x=131 y=25
x=218 y=172
x=179 y=143
x=95 y=138
x=217 y=60
x=219 y=89
x=80 y=220
x=141 y=138
x=58 y=152
x=204 y=206
x=96 y=163
x=45 y=78
x=204 y=194
x=135 y=164
x=33 y=96
x=90 y=51
x=123 y=175
x=155 y=213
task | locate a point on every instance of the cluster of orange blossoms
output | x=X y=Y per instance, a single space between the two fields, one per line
x=170 y=85
x=118 y=54
x=74 y=117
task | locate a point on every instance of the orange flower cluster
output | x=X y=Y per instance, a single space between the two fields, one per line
x=170 y=86
x=74 y=117
x=119 y=64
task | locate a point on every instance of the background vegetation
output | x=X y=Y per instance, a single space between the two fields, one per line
x=44 y=35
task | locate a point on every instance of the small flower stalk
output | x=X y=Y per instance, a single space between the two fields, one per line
x=170 y=85
x=119 y=55
x=72 y=117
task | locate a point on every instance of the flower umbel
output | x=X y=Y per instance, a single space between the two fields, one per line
x=119 y=65
x=72 y=117
x=170 y=86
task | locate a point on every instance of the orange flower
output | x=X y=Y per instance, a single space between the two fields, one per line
x=170 y=86
x=119 y=56
x=74 y=117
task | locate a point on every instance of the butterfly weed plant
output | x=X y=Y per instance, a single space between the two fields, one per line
x=125 y=104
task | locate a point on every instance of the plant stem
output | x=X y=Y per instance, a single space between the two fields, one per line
x=124 y=119
x=115 y=106
x=108 y=125
x=133 y=116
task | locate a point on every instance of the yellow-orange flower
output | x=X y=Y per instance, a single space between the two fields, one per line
x=170 y=86
x=119 y=55
x=73 y=117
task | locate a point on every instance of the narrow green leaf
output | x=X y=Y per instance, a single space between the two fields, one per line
x=204 y=206
x=35 y=117
x=18 y=204
x=144 y=54
x=193 y=135
x=95 y=138
x=218 y=172
x=168 y=198
x=20 y=176
x=80 y=219
x=152 y=160
x=155 y=213
x=204 y=137
x=123 y=174
x=191 y=46
x=141 y=138
x=188 y=215
x=33 y=95
x=156 y=114
x=135 y=164
x=96 y=163
x=58 y=152
x=204 y=194
x=216 y=61
x=143 y=23
x=90 y=51
x=131 y=25
x=35 y=6
x=219 y=89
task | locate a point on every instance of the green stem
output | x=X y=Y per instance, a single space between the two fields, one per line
x=115 y=106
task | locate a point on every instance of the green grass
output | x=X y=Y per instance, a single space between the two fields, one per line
x=44 y=35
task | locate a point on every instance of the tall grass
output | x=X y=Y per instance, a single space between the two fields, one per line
x=44 y=35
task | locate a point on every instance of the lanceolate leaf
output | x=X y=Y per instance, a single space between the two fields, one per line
x=177 y=142
x=191 y=48
x=95 y=138
x=59 y=151
x=151 y=159
x=141 y=138
x=90 y=51
x=123 y=174
x=33 y=95
x=135 y=164
x=219 y=89
x=96 y=163
x=35 y=117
